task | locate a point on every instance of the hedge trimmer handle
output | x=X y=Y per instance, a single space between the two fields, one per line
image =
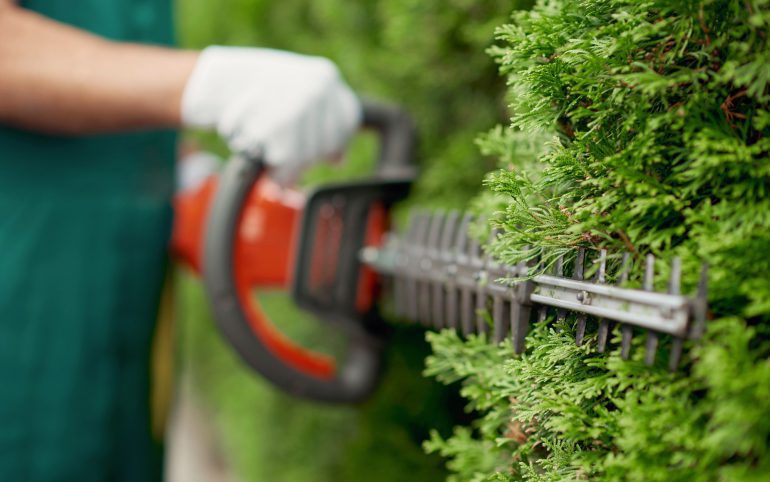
x=250 y=228
x=398 y=139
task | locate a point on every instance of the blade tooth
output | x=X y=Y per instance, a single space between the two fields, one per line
x=649 y=272
x=701 y=304
x=410 y=247
x=411 y=229
x=580 y=264
x=449 y=231
x=442 y=310
x=420 y=234
x=398 y=292
x=481 y=259
x=703 y=282
x=523 y=307
x=407 y=246
x=453 y=294
x=424 y=293
x=428 y=264
x=423 y=229
x=499 y=316
x=466 y=311
x=475 y=253
x=474 y=250
x=434 y=285
x=626 y=333
x=604 y=325
x=604 y=329
x=396 y=245
x=675 y=287
x=651 y=345
x=559 y=271
x=493 y=266
x=425 y=264
x=580 y=331
x=675 y=281
x=436 y=228
x=542 y=313
x=579 y=274
x=451 y=308
x=437 y=303
x=517 y=333
x=481 y=308
x=464 y=243
x=475 y=297
x=675 y=355
x=601 y=275
x=463 y=292
x=461 y=241
x=406 y=274
x=519 y=321
x=625 y=268
x=561 y=315
x=482 y=296
x=399 y=287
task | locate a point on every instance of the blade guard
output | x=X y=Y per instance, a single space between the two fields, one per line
x=231 y=268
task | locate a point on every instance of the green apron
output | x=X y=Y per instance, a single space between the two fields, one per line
x=84 y=227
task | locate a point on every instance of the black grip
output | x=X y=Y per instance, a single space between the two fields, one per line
x=398 y=139
x=355 y=378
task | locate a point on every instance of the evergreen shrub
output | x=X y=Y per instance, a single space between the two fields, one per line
x=657 y=120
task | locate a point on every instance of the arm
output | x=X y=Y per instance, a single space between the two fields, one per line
x=293 y=109
x=57 y=79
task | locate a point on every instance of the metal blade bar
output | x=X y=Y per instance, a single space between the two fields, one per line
x=444 y=281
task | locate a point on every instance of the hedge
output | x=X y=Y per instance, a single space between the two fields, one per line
x=655 y=118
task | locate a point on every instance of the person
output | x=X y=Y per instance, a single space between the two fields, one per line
x=88 y=109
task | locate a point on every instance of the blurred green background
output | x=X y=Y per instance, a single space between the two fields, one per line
x=427 y=55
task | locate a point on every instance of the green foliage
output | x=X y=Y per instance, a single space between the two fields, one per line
x=563 y=412
x=658 y=118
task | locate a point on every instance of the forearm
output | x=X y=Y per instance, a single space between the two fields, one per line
x=57 y=79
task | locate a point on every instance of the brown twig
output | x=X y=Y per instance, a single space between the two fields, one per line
x=728 y=104
x=627 y=242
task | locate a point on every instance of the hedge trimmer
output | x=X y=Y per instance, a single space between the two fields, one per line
x=333 y=248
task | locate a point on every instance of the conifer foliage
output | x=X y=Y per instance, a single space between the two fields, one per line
x=657 y=115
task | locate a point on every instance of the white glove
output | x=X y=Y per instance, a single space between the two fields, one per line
x=291 y=108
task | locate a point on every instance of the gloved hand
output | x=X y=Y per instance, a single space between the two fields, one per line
x=291 y=108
